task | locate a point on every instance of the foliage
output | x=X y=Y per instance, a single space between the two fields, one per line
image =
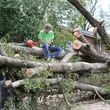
x=75 y=59
x=68 y=86
x=98 y=79
x=34 y=85
x=63 y=37
x=21 y=19
x=25 y=18
x=38 y=84
x=6 y=47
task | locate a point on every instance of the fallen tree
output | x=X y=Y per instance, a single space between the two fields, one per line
x=18 y=83
x=13 y=62
x=76 y=85
x=87 y=51
x=35 y=50
x=69 y=67
x=78 y=66
x=100 y=28
x=90 y=53
x=54 y=67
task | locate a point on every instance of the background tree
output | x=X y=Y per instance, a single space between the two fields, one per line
x=94 y=22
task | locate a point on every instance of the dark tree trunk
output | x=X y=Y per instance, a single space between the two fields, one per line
x=89 y=53
x=13 y=62
x=92 y=21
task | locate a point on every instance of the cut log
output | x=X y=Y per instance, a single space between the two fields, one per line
x=77 y=45
x=55 y=67
x=78 y=67
x=84 y=87
x=87 y=87
x=22 y=82
x=33 y=71
x=83 y=39
x=89 y=96
x=100 y=28
x=80 y=36
x=35 y=50
x=90 y=52
x=17 y=56
x=69 y=67
x=13 y=62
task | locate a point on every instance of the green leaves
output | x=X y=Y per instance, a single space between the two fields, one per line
x=63 y=37
x=34 y=85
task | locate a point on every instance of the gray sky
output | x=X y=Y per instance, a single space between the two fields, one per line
x=105 y=6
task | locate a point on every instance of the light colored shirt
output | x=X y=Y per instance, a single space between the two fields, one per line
x=46 y=37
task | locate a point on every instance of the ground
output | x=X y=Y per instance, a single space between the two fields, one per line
x=55 y=104
x=92 y=105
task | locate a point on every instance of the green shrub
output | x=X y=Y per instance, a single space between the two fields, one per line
x=62 y=38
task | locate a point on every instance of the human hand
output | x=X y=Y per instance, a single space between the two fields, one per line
x=50 y=42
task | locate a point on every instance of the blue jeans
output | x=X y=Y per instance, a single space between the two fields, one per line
x=51 y=51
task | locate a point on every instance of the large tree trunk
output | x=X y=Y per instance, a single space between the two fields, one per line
x=22 y=82
x=87 y=87
x=69 y=67
x=55 y=67
x=78 y=67
x=35 y=50
x=84 y=87
x=90 y=53
x=13 y=62
x=92 y=21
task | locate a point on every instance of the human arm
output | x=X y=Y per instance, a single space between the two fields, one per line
x=52 y=38
x=40 y=37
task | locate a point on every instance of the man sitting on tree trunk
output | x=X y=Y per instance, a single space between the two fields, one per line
x=46 y=37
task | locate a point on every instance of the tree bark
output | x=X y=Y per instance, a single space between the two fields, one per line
x=55 y=67
x=84 y=87
x=78 y=67
x=68 y=56
x=69 y=67
x=35 y=50
x=100 y=28
x=89 y=96
x=90 y=53
x=13 y=62
x=22 y=82
x=87 y=87
x=33 y=71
